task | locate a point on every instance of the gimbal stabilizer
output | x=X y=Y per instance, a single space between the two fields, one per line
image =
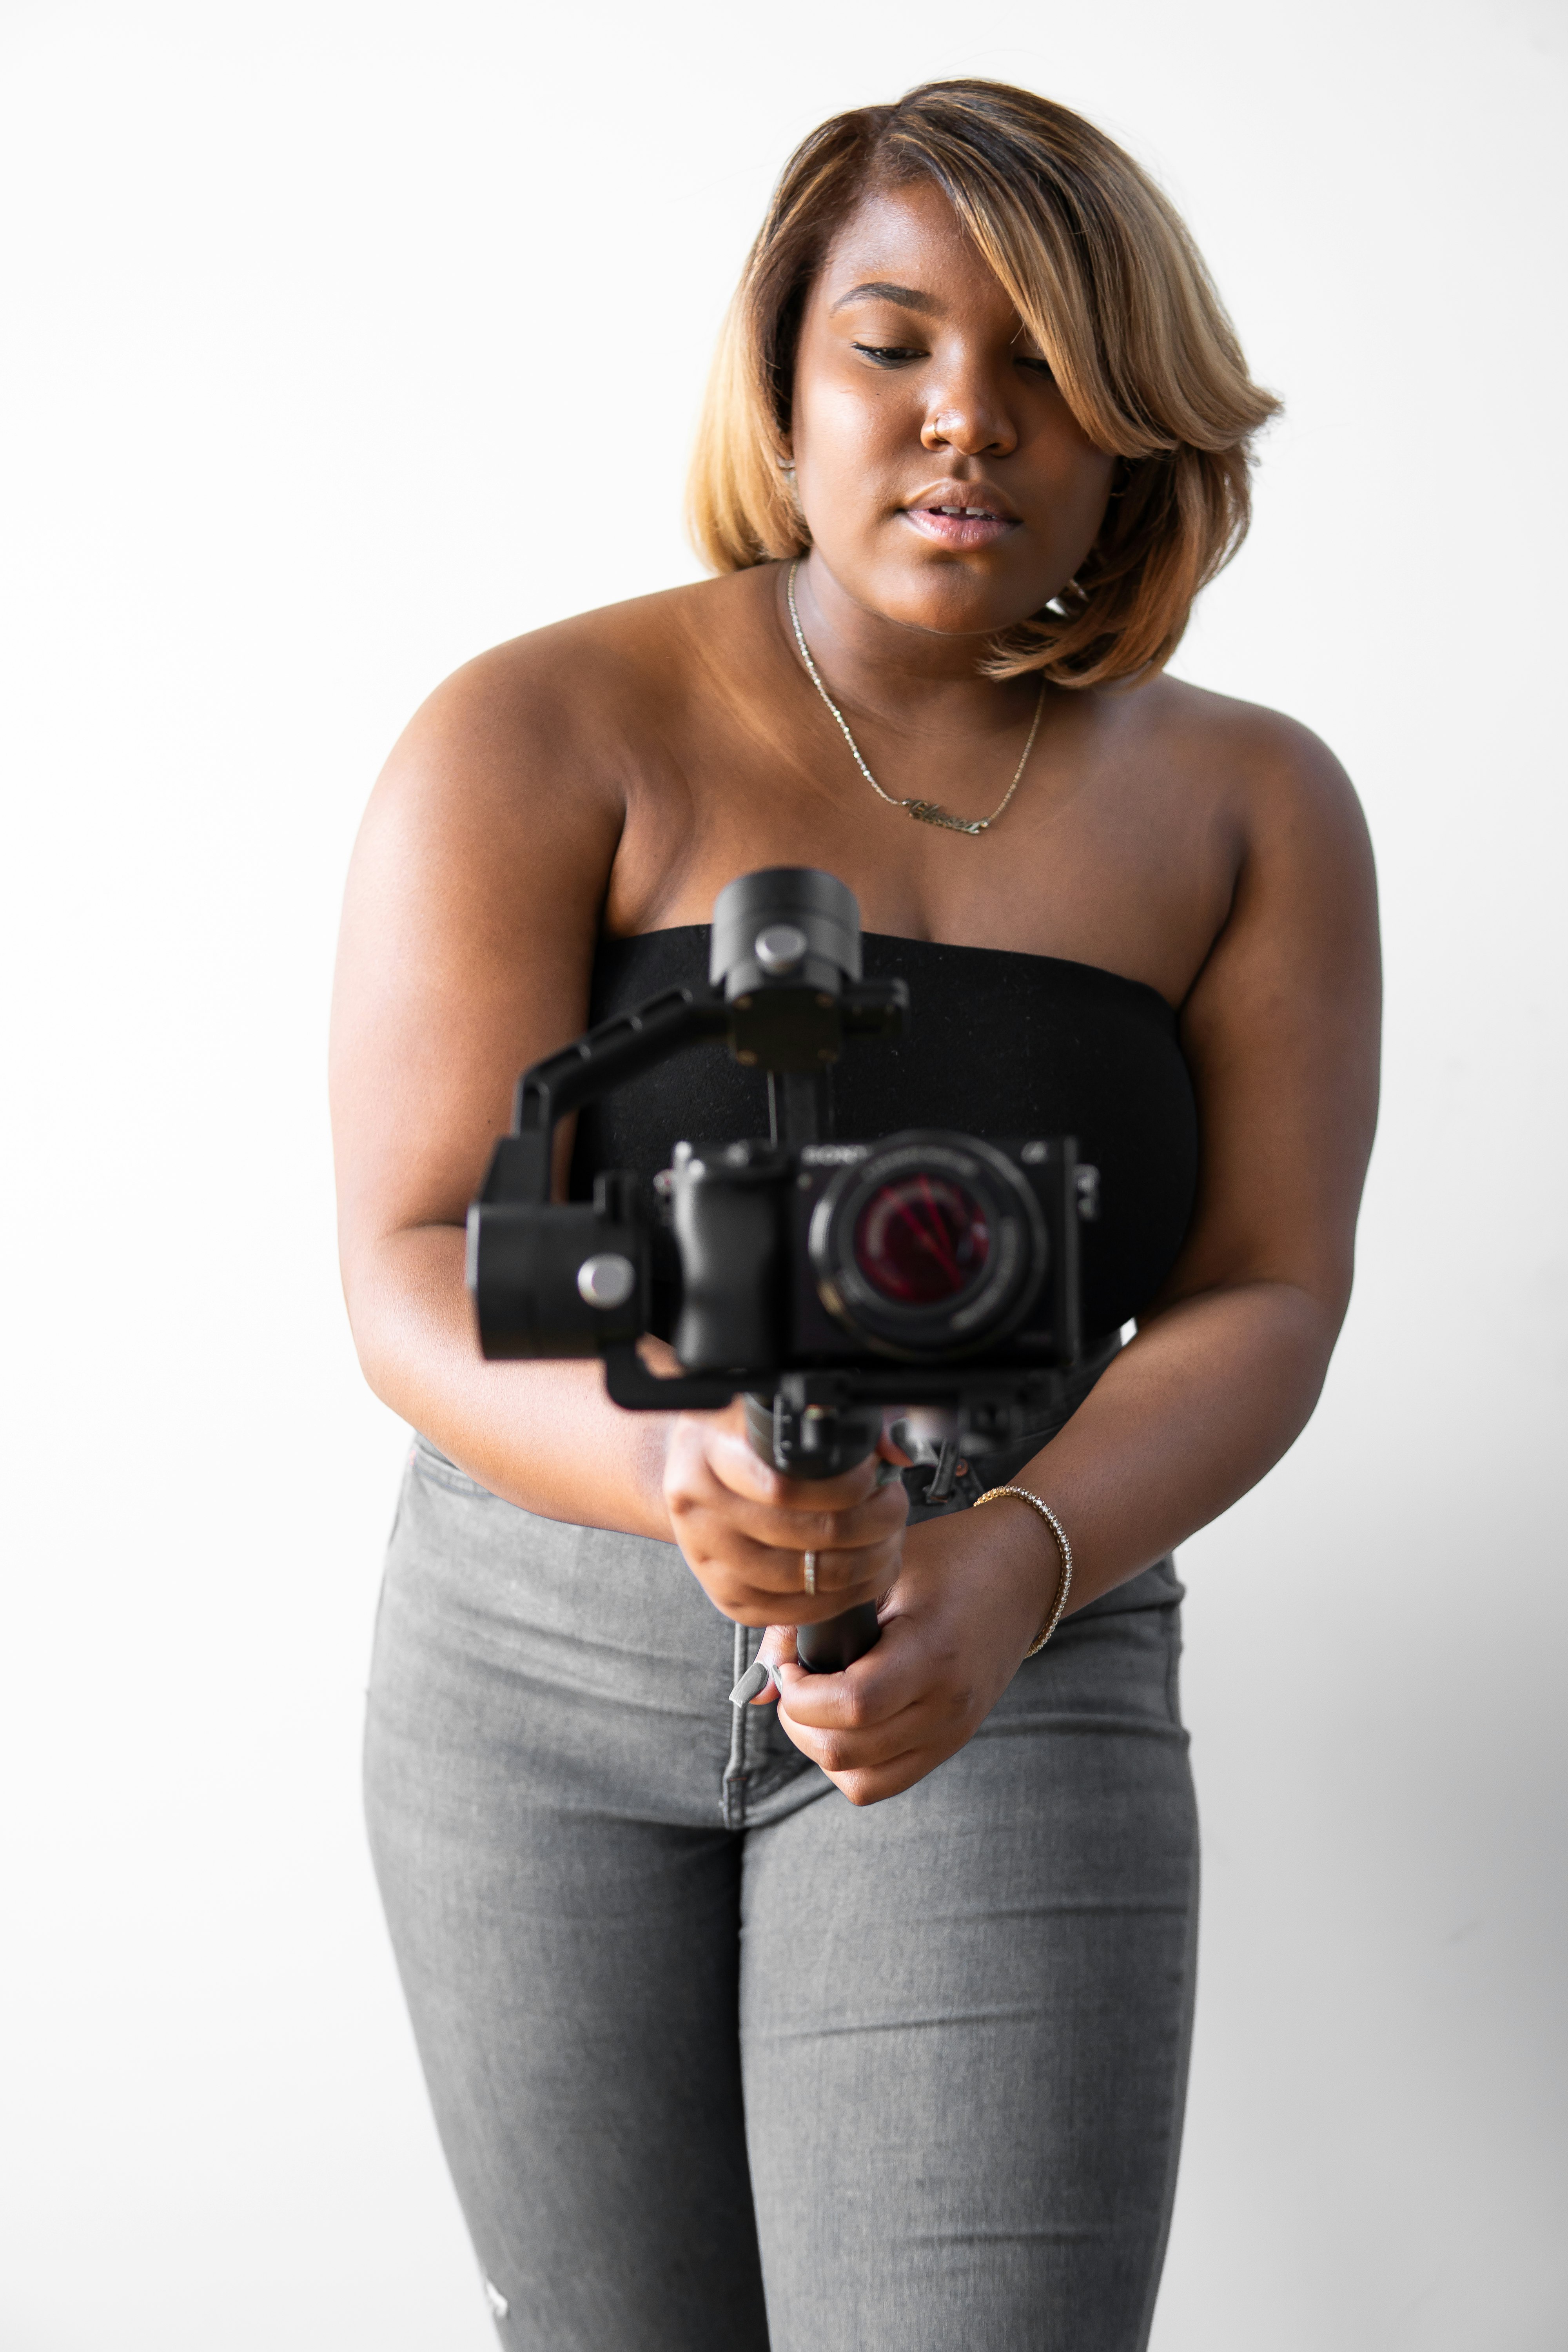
x=827 y=1281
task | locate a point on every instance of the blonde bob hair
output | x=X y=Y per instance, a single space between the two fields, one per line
x=1105 y=277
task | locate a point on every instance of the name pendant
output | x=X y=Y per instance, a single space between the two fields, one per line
x=933 y=813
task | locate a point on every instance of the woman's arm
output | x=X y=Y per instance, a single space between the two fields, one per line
x=1281 y=1031
x=471 y=909
x=474 y=899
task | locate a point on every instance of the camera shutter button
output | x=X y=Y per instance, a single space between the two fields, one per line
x=606 y=1280
x=780 y=948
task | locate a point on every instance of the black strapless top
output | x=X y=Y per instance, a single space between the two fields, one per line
x=996 y=1044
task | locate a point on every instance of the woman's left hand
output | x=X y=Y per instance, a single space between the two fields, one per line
x=971 y=1595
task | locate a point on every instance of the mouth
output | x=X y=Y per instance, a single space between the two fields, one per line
x=961 y=518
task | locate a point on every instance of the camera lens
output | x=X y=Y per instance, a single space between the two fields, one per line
x=925 y=1244
x=922 y=1240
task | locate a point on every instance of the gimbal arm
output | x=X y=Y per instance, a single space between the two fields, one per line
x=605 y=1058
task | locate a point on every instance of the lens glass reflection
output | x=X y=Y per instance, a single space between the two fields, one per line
x=922 y=1240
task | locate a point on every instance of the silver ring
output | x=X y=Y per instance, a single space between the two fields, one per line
x=808 y=1562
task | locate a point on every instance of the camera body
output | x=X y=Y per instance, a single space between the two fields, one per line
x=922 y=1248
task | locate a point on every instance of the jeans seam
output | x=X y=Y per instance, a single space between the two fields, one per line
x=1174 y=1665
x=733 y=1791
x=452 y=1482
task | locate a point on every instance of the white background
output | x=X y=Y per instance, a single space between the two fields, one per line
x=347 y=340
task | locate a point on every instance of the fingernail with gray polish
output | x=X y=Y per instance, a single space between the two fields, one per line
x=752 y=1685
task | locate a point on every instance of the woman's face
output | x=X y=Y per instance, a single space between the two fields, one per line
x=918 y=390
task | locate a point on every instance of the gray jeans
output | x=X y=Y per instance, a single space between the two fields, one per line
x=820 y=2080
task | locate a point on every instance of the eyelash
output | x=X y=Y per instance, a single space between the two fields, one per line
x=897 y=354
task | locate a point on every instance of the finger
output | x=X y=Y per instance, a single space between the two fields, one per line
x=794 y=1517
x=737 y=1570
x=805 y=1527
x=712 y=1529
x=838 y=1753
x=755 y=1686
x=737 y=1465
x=879 y=1689
x=928 y=1725
x=776 y=1646
x=881 y=1519
x=891 y=1780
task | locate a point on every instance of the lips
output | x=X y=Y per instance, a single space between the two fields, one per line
x=970 y=514
x=970 y=527
x=961 y=514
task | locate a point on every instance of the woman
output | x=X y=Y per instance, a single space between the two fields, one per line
x=720 y=2060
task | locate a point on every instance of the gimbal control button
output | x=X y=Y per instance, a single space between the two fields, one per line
x=607 y=1280
x=780 y=948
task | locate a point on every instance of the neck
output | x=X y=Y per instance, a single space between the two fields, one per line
x=905 y=676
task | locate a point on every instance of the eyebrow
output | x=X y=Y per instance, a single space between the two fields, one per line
x=876 y=289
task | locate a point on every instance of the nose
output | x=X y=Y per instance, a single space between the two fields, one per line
x=969 y=414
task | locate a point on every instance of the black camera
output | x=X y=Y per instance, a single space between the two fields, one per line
x=828 y=1280
x=925 y=1248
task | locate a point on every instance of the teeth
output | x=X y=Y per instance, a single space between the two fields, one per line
x=969 y=514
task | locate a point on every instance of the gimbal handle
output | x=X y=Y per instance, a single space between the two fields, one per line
x=816 y=1439
x=804 y=1431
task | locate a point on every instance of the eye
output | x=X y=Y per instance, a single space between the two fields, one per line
x=890 y=354
x=1037 y=367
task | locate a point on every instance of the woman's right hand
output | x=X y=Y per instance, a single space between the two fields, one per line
x=744 y=1526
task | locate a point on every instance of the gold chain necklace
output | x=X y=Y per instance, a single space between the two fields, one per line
x=926 y=812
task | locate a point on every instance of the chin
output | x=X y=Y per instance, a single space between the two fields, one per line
x=947 y=598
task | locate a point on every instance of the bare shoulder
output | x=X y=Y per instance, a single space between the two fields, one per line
x=506 y=798
x=571 y=702
x=487 y=848
x=1265 y=771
